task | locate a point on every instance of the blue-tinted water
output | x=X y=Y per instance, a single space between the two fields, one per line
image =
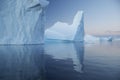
x=60 y=61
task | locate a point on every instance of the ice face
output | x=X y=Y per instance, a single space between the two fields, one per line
x=22 y=21
x=64 y=31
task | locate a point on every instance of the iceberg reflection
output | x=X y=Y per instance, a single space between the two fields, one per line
x=39 y=62
x=21 y=62
x=66 y=62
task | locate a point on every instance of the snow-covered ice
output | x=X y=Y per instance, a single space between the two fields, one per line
x=22 y=21
x=64 y=31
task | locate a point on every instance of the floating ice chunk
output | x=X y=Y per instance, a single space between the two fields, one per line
x=106 y=39
x=94 y=39
x=64 y=31
x=90 y=39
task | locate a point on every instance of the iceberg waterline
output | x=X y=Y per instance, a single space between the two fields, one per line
x=22 y=21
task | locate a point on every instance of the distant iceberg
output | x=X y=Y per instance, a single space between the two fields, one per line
x=94 y=39
x=64 y=31
x=110 y=39
x=22 y=21
x=90 y=39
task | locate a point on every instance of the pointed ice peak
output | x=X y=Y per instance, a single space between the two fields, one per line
x=77 y=18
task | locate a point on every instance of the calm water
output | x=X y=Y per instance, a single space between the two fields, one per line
x=61 y=61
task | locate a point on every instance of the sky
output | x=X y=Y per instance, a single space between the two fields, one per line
x=100 y=16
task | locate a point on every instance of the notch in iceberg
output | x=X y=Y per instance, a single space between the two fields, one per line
x=64 y=31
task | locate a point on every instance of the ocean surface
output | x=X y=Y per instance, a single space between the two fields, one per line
x=60 y=61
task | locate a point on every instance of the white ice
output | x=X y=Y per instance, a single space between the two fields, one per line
x=90 y=39
x=22 y=21
x=93 y=39
x=64 y=31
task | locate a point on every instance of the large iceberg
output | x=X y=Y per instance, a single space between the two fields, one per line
x=22 y=21
x=64 y=31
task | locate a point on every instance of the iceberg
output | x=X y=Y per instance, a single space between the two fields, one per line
x=90 y=39
x=22 y=21
x=64 y=31
x=110 y=39
x=93 y=39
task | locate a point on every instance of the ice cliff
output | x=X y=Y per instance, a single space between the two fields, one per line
x=64 y=31
x=22 y=21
